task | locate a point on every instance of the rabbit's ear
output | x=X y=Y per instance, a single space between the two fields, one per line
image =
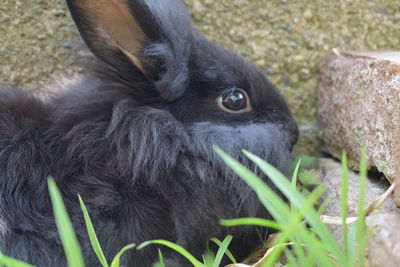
x=154 y=36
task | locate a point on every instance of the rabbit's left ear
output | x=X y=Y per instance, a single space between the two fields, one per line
x=150 y=36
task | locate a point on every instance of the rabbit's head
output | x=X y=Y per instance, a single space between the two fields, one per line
x=189 y=93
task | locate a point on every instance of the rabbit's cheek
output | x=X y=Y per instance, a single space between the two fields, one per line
x=269 y=141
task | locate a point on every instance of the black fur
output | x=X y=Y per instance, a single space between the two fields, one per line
x=137 y=146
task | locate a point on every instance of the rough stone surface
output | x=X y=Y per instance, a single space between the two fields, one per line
x=396 y=194
x=332 y=176
x=284 y=38
x=38 y=41
x=384 y=240
x=383 y=248
x=359 y=104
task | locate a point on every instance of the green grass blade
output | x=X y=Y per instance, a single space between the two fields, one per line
x=291 y=258
x=10 y=262
x=228 y=253
x=117 y=258
x=175 y=247
x=251 y=221
x=222 y=250
x=294 y=180
x=276 y=253
x=299 y=250
x=208 y=258
x=271 y=201
x=295 y=174
x=160 y=255
x=298 y=199
x=67 y=234
x=293 y=228
x=310 y=262
x=314 y=246
x=352 y=244
x=275 y=205
x=161 y=263
x=1 y=254
x=344 y=201
x=92 y=234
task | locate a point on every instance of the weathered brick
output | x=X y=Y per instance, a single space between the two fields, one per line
x=359 y=103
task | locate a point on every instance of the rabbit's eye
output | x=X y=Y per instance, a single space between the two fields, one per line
x=235 y=101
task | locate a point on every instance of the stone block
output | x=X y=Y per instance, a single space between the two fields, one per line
x=359 y=104
x=383 y=247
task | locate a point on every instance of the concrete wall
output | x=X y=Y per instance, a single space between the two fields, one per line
x=286 y=38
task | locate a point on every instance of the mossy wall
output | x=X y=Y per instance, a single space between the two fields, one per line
x=286 y=38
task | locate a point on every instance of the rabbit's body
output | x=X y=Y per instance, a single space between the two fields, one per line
x=134 y=138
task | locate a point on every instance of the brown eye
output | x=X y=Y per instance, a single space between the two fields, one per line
x=235 y=101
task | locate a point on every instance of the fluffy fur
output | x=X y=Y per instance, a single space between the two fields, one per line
x=135 y=140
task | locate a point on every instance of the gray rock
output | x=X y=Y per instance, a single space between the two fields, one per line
x=384 y=240
x=332 y=176
x=359 y=103
x=383 y=247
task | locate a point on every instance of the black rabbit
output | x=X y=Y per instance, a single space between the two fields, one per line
x=135 y=138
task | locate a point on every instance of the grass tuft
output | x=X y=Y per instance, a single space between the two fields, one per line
x=304 y=239
x=66 y=231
